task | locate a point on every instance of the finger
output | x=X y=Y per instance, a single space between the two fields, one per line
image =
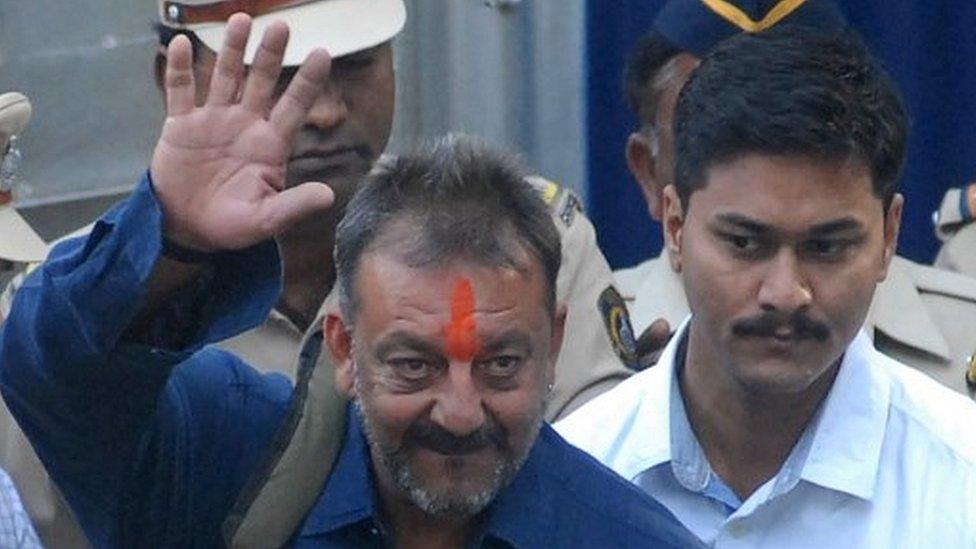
x=654 y=338
x=179 y=76
x=289 y=112
x=292 y=205
x=266 y=69
x=229 y=69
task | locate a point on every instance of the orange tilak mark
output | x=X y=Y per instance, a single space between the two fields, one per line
x=462 y=342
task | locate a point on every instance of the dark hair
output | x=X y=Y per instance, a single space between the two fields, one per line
x=790 y=91
x=454 y=199
x=651 y=53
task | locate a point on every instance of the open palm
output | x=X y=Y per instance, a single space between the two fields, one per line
x=219 y=169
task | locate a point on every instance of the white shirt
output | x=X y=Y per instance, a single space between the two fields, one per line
x=889 y=460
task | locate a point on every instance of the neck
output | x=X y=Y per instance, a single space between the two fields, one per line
x=746 y=435
x=308 y=271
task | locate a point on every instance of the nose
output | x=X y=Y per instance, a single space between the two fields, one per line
x=330 y=109
x=784 y=287
x=459 y=408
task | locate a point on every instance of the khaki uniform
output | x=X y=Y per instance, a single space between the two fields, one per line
x=921 y=316
x=597 y=344
x=955 y=225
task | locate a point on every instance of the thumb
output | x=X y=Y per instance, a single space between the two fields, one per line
x=293 y=205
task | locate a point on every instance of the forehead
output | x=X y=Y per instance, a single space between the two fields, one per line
x=790 y=192
x=387 y=286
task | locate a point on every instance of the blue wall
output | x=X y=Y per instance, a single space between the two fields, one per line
x=929 y=49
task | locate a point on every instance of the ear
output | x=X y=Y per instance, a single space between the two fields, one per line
x=892 y=225
x=672 y=225
x=556 y=340
x=339 y=340
x=642 y=163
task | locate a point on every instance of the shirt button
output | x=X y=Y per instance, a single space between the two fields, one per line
x=374 y=531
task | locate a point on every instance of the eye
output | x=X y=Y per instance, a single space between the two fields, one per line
x=825 y=248
x=501 y=366
x=742 y=244
x=413 y=369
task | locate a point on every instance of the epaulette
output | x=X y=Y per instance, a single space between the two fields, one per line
x=957 y=210
x=562 y=202
x=930 y=279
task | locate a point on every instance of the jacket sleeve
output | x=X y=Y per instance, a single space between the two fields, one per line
x=116 y=423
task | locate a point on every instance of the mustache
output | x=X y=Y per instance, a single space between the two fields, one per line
x=800 y=325
x=432 y=437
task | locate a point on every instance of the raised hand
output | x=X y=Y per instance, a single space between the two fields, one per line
x=219 y=169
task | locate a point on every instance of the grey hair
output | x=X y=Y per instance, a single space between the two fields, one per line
x=455 y=198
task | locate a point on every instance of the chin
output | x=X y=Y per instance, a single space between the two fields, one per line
x=776 y=377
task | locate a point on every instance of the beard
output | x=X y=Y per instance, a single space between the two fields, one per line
x=449 y=502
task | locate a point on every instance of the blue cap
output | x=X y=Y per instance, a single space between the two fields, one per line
x=696 y=26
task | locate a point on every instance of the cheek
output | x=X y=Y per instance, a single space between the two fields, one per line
x=374 y=106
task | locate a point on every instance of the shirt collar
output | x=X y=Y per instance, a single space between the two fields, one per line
x=846 y=450
x=646 y=445
x=840 y=449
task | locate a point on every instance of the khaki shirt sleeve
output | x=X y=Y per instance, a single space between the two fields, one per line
x=589 y=363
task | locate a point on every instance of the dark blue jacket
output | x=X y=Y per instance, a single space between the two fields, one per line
x=151 y=438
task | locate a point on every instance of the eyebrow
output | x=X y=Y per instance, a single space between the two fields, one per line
x=510 y=339
x=843 y=224
x=401 y=340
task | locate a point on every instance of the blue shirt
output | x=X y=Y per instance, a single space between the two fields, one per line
x=151 y=436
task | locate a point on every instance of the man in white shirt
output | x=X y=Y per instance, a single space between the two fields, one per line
x=770 y=420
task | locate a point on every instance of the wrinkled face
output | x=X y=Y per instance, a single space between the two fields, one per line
x=449 y=367
x=780 y=257
x=347 y=128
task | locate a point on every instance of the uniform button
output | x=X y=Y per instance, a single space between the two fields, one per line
x=374 y=531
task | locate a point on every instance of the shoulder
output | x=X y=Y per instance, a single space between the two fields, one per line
x=943 y=417
x=602 y=426
x=605 y=507
x=947 y=283
x=213 y=381
x=564 y=205
x=629 y=280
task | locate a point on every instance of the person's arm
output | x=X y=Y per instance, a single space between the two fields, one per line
x=97 y=357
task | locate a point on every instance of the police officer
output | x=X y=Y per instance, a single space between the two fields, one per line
x=20 y=249
x=19 y=244
x=955 y=225
x=343 y=136
x=920 y=315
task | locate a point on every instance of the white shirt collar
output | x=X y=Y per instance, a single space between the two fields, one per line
x=847 y=437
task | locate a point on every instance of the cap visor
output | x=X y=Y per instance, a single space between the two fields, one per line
x=340 y=26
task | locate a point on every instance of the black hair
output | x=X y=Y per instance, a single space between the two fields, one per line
x=790 y=91
x=454 y=199
x=651 y=53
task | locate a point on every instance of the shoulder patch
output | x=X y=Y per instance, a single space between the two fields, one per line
x=617 y=321
x=571 y=207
